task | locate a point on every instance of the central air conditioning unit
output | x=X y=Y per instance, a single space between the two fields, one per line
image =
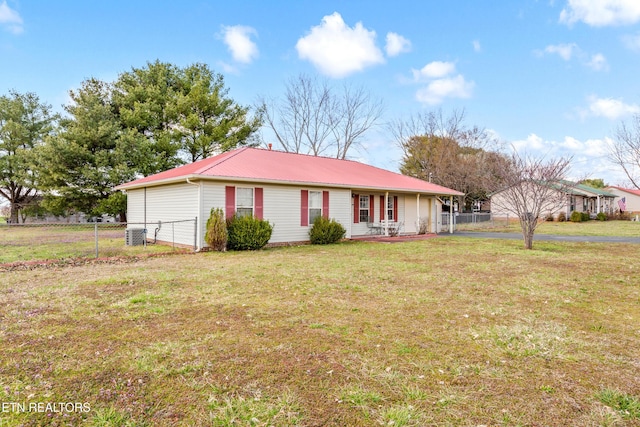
x=134 y=236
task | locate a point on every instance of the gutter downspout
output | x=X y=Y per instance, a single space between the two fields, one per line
x=199 y=245
x=418 y=213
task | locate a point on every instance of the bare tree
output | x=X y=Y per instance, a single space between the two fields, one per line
x=445 y=151
x=529 y=188
x=625 y=151
x=313 y=118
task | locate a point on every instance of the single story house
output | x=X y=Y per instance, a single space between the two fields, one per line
x=627 y=199
x=289 y=190
x=570 y=197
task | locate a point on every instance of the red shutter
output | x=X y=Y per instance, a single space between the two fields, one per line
x=258 y=202
x=325 y=204
x=371 y=207
x=381 y=208
x=304 y=208
x=395 y=208
x=230 y=201
x=356 y=209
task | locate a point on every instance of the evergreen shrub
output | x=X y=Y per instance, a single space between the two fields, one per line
x=216 y=235
x=247 y=233
x=325 y=231
x=576 y=216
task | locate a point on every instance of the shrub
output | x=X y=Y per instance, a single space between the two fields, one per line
x=576 y=216
x=395 y=230
x=585 y=216
x=216 y=235
x=601 y=216
x=325 y=231
x=562 y=217
x=247 y=233
x=549 y=217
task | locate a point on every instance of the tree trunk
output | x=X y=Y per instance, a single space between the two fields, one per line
x=13 y=217
x=528 y=240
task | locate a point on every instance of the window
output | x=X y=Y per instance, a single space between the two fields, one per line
x=364 y=209
x=390 y=209
x=315 y=205
x=244 y=201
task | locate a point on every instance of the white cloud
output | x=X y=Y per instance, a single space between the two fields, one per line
x=10 y=19
x=476 y=46
x=396 y=44
x=337 y=50
x=600 y=13
x=565 y=51
x=632 y=42
x=588 y=157
x=610 y=108
x=532 y=143
x=433 y=70
x=238 y=41
x=450 y=87
x=598 y=62
x=569 y=51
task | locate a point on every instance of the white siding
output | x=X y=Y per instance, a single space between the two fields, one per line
x=361 y=228
x=177 y=202
x=632 y=201
x=281 y=207
x=135 y=205
x=411 y=221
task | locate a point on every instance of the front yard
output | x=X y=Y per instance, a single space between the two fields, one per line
x=435 y=332
x=587 y=228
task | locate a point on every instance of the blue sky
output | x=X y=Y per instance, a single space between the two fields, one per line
x=553 y=77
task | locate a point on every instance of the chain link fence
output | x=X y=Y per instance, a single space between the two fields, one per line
x=47 y=241
x=472 y=221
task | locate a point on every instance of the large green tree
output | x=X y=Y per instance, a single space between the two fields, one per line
x=207 y=120
x=180 y=114
x=91 y=154
x=24 y=123
x=149 y=120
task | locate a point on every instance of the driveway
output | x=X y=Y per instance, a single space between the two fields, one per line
x=545 y=237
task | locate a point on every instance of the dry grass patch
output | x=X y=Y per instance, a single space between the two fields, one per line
x=436 y=332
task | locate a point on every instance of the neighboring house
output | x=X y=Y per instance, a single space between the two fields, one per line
x=569 y=197
x=627 y=200
x=289 y=190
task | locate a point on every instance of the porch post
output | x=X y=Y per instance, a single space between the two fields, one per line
x=450 y=214
x=386 y=213
x=598 y=207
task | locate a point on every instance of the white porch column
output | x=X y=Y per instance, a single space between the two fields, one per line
x=450 y=214
x=386 y=213
x=598 y=207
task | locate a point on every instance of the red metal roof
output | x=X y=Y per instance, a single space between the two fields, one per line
x=628 y=190
x=260 y=165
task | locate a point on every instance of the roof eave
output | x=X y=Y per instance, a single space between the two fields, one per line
x=198 y=177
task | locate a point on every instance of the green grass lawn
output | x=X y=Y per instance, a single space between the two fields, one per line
x=438 y=332
x=27 y=243
x=587 y=228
